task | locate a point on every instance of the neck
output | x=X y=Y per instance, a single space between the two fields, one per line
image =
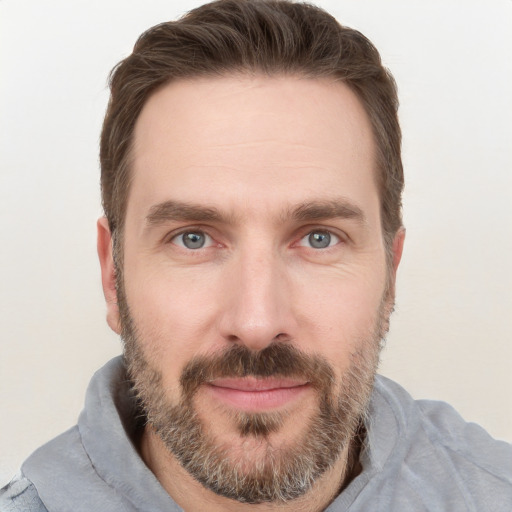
x=191 y=496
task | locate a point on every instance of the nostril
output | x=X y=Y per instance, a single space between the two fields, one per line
x=281 y=337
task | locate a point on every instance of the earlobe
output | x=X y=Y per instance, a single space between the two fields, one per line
x=108 y=274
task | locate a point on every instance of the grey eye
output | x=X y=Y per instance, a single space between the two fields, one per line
x=319 y=239
x=192 y=239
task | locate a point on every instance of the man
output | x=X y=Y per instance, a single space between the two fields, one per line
x=251 y=181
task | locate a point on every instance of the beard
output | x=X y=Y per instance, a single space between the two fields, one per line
x=278 y=472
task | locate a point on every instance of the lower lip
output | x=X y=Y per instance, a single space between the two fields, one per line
x=257 y=401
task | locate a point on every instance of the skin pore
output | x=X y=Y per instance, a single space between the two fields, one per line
x=254 y=291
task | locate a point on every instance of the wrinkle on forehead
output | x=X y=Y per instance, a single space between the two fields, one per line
x=248 y=110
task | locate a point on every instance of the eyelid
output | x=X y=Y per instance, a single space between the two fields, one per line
x=212 y=239
x=335 y=239
x=304 y=231
x=171 y=238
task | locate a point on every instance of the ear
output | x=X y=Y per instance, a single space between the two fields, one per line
x=397 y=249
x=108 y=274
x=396 y=253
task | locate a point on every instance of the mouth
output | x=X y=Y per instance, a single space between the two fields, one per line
x=257 y=395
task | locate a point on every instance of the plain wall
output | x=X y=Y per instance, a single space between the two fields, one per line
x=451 y=333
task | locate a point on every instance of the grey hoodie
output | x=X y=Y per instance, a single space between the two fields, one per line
x=418 y=456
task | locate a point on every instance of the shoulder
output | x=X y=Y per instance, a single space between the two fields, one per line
x=467 y=445
x=20 y=495
x=442 y=454
x=438 y=423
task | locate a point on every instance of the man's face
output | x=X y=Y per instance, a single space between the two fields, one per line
x=253 y=291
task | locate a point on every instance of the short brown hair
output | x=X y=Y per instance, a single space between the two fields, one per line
x=265 y=36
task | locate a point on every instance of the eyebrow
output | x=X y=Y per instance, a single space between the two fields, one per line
x=172 y=210
x=179 y=211
x=330 y=209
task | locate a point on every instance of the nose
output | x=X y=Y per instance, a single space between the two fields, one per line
x=257 y=309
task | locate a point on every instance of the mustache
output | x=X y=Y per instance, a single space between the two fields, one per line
x=277 y=359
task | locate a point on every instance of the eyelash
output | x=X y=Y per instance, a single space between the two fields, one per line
x=177 y=236
x=210 y=240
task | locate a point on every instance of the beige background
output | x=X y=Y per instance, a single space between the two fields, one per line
x=451 y=336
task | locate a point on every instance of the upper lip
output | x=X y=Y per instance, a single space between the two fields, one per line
x=254 y=384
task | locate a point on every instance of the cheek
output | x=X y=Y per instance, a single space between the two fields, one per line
x=341 y=312
x=174 y=315
x=160 y=295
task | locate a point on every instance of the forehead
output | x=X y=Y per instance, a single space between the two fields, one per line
x=278 y=139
